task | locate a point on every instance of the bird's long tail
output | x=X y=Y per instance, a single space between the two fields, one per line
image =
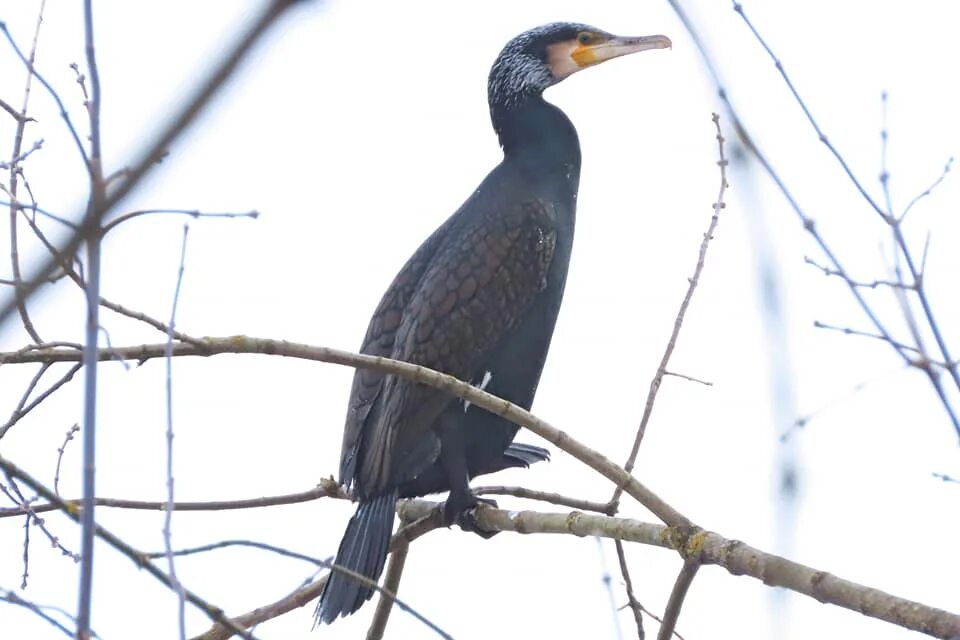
x=363 y=550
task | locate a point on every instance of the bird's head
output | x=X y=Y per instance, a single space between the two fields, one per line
x=545 y=55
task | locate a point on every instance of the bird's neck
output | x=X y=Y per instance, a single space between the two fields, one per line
x=534 y=128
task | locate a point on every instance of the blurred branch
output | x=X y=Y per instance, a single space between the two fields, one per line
x=895 y=225
x=945 y=477
x=70 y=272
x=90 y=235
x=926 y=192
x=864 y=334
x=56 y=98
x=808 y=223
x=271 y=12
x=13 y=598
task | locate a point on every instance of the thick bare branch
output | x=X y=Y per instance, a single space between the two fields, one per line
x=737 y=557
x=458 y=388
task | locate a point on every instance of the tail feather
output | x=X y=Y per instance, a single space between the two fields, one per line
x=524 y=455
x=363 y=550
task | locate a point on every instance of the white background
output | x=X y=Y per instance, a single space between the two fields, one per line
x=355 y=129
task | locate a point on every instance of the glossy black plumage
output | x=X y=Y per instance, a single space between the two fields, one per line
x=478 y=300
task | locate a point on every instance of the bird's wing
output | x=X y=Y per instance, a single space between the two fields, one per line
x=477 y=286
x=379 y=341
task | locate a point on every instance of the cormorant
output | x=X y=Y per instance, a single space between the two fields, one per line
x=478 y=300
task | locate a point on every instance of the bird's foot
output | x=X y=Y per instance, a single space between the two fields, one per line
x=461 y=510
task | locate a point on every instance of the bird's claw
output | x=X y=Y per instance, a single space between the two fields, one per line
x=463 y=513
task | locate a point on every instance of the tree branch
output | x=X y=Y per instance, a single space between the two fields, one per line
x=71 y=510
x=328 y=488
x=270 y=14
x=718 y=205
x=680 y=588
x=458 y=388
x=737 y=557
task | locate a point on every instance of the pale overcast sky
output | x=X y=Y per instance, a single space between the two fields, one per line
x=356 y=128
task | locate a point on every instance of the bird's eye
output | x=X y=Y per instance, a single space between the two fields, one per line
x=584 y=37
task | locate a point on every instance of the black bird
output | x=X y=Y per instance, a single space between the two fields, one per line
x=478 y=300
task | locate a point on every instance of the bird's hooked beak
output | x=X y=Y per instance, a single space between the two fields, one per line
x=589 y=49
x=586 y=55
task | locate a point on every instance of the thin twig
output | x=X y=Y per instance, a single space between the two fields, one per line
x=271 y=12
x=543 y=496
x=19 y=415
x=33 y=207
x=63 y=448
x=53 y=94
x=926 y=192
x=865 y=334
x=71 y=510
x=16 y=115
x=430 y=520
x=193 y=213
x=25 y=506
x=18 y=410
x=884 y=143
x=873 y=284
x=223 y=544
x=684 y=376
x=632 y=601
x=18 y=159
x=305 y=594
x=17 y=156
x=808 y=223
x=899 y=239
x=113 y=306
x=680 y=588
x=168 y=512
x=13 y=598
x=681 y=313
x=327 y=489
x=738 y=9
